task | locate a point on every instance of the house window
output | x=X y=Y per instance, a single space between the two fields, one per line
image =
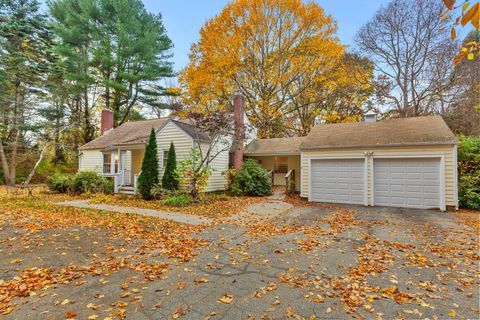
x=107 y=162
x=165 y=157
x=110 y=162
x=281 y=164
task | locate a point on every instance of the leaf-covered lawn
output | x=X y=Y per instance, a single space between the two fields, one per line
x=212 y=205
x=44 y=245
x=315 y=261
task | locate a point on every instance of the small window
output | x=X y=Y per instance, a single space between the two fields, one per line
x=116 y=162
x=107 y=162
x=165 y=157
x=281 y=164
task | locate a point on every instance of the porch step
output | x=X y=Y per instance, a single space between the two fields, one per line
x=126 y=190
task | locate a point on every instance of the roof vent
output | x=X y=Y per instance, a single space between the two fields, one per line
x=370 y=116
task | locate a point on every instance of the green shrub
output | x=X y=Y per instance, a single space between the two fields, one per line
x=158 y=192
x=60 y=182
x=469 y=191
x=149 y=176
x=194 y=173
x=469 y=172
x=178 y=200
x=230 y=175
x=170 y=177
x=91 y=182
x=251 y=180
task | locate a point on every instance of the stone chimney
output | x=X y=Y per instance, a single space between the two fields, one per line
x=370 y=116
x=106 y=121
x=239 y=131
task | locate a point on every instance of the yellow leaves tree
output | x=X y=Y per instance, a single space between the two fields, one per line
x=339 y=96
x=270 y=51
x=463 y=13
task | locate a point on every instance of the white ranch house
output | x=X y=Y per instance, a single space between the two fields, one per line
x=119 y=152
x=408 y=162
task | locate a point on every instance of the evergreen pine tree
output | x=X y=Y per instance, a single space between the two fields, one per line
x=170 y=178
x=149 y=176
x=25 y=39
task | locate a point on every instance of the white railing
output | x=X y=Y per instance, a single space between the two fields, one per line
x=135 y=180
x=116 y=179
x=290 y=181
x=127 y=177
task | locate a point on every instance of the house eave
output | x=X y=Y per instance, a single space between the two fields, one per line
x=418 y=144
x=270 y=154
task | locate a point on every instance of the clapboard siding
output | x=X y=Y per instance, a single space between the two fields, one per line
x=446 y=151
x=128 y=160
x=90 y=160
x=217 y=181
x=181 y=140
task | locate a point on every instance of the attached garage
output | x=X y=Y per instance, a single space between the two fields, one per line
x=407 y=182
x=338 y=181
x=410 y=163
x=406 y=162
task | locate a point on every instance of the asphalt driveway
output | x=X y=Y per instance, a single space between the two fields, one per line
x=321 y=262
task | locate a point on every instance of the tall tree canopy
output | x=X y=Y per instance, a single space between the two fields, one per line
x=273 y=52
x=412 y=54
x=24 y=44
x=463 y=113
x=115 y=53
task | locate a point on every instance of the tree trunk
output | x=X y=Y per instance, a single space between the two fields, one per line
x=40 y=158
x=58 y=155
x=5 y=166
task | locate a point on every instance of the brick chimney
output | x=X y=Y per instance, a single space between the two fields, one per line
x=239 y=127
x=106 y=121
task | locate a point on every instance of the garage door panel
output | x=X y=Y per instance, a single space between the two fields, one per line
x=338 y=180
x=431 y=176
x=407 y=182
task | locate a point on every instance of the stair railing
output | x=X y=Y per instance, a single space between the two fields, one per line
x=290 y=181
x=135 y=180
x=271 y=174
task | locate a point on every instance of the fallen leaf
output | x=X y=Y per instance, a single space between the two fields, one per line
x=228 y=298
x=13 y=261
x=201 y=280
x=92 y=306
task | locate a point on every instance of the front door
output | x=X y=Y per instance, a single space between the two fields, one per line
x=122 y=160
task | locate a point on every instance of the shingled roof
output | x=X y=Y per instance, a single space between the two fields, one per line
x=137 y=132
x=276 y=146
x=428 y=130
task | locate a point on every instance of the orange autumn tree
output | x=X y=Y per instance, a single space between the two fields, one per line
x=270 y=51
x=462 y=13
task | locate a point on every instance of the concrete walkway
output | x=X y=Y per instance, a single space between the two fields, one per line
x=265 y=210
x=173 y=216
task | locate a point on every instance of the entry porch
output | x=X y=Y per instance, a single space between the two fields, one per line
x=284 y=170
x=123 y=164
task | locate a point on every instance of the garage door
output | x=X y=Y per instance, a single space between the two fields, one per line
x=411 y=183
x=338 y=181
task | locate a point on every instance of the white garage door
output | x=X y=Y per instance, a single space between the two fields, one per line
x=411 y=183
x=338 y=181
